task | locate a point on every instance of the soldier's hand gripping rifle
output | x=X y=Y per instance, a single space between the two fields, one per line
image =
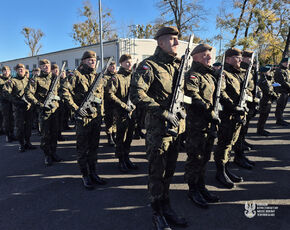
x=216 y=104
x=178 y=99
x=131 y=107
x=87 y=107
x=51 y=97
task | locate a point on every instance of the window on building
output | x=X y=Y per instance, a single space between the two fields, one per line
x=34 y=66
x=27 y=67
x=77 y=62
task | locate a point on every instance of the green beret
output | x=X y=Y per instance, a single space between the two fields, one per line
x=285 y=59
x=89 y=54
x=201 y=48
x=44 y=61
x=54 y=66
x=36 y=69
x=166 y=30
x=113 y=63
x=217 y=64
x=5 y=67
x=125 y=57
x=247 y=53
x=233 y=52
x=20 y=65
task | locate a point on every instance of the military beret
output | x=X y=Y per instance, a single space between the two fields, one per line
x=285 y=59
x=5 y=67
x=264 y=69
x=201 y=48
x=113 y=63
x=19 y=65
x=217 y=64
x=247 y=53
x=233 y=52
x=54 y=66
x=166 y=30
x=125 y=57
x=43 y=61
x=89 y=54
x=36 y=69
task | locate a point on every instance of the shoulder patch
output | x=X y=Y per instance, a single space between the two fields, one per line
x=146 y=67
x=192 y=77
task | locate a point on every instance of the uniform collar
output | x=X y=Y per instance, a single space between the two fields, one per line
x=198 y=67
x=231 y=69
x=124 y=71
x=163 y=56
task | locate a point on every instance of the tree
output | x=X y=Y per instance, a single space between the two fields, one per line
x=186 y=15
x=32 y=38
x=87 y=32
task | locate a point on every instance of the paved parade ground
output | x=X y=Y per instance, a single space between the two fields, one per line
x=34 y=197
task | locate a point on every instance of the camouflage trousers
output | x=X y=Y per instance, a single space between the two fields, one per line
x=110 y=119
x=49 y=131
x=8 y=119
x=199 y=145
x=88 y=137
x=23 y=123
x=265 y=108
x=162 y=153
x=228 y=135
x=281 y=105
x=124 y=135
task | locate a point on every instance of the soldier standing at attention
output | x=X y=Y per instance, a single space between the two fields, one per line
x=232 y=117
x=118 y=92
x=200 y=85
x=36 y=93
x=110 y=119
x=152 y=89
x=6 y=105
x=269 y=96
x=88 y=127
x=281 y=76
x=14 y=88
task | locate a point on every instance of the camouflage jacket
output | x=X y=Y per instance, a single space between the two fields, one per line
x=282 y=77
x=76 y=88
x=265 y=84
x=152 y=88
x=118 y=88
x=3 y=80
x=37 y=90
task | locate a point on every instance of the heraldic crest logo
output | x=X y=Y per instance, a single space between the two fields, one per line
x=250 y=209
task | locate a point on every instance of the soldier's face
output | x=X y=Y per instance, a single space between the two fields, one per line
x=21 y=72
x=112 y=68
x=91 y=62
x=55 y=71
x=169 y=43
x=247 y=60
x=235 y=61
x=46 y=68
x=127 y=64
x=6 y=72
x=203 y=58
x=36 y=73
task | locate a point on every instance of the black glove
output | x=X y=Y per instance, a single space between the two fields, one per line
x=274 y=97
x=173 y=119
x=239 y=110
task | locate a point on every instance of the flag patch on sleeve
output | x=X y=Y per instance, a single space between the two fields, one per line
x=145 y=67
x=192 y=77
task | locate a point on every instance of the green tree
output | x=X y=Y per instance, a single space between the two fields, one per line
x=32 y=39
x=87 y=32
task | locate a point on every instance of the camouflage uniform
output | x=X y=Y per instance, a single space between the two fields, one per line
x=118 y=93
x=14 y=88
x=88 y=129
x=36 y=93
x=269 y=95
x=200 y=86
x=7 y=112
x=152 y=88
x=281 y=76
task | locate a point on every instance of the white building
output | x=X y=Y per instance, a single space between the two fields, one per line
x=138 y=48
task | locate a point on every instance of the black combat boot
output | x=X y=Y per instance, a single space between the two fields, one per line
x=263 y=132
x=94 y=177
x=110 y=139
x=28 y=145
x=47 y=160
x=196 y=197
x=129 y=163
x=56 y=158
x=87 y=182
x=158 y=220
x=209 y=197
x=10 y=138
x=122 y=164
x=222 y=177
x=232 y=176
x=171 y=216
x=241 y=161
x=21 y=146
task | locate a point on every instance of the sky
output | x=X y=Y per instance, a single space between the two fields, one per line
x=56 y=18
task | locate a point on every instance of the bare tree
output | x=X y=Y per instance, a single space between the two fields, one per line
x=32 y=38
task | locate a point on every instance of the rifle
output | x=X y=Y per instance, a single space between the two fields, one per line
x=178 y=99
x=244 y=97
x=87 y=108
x=51 y=97
x=129 y=102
